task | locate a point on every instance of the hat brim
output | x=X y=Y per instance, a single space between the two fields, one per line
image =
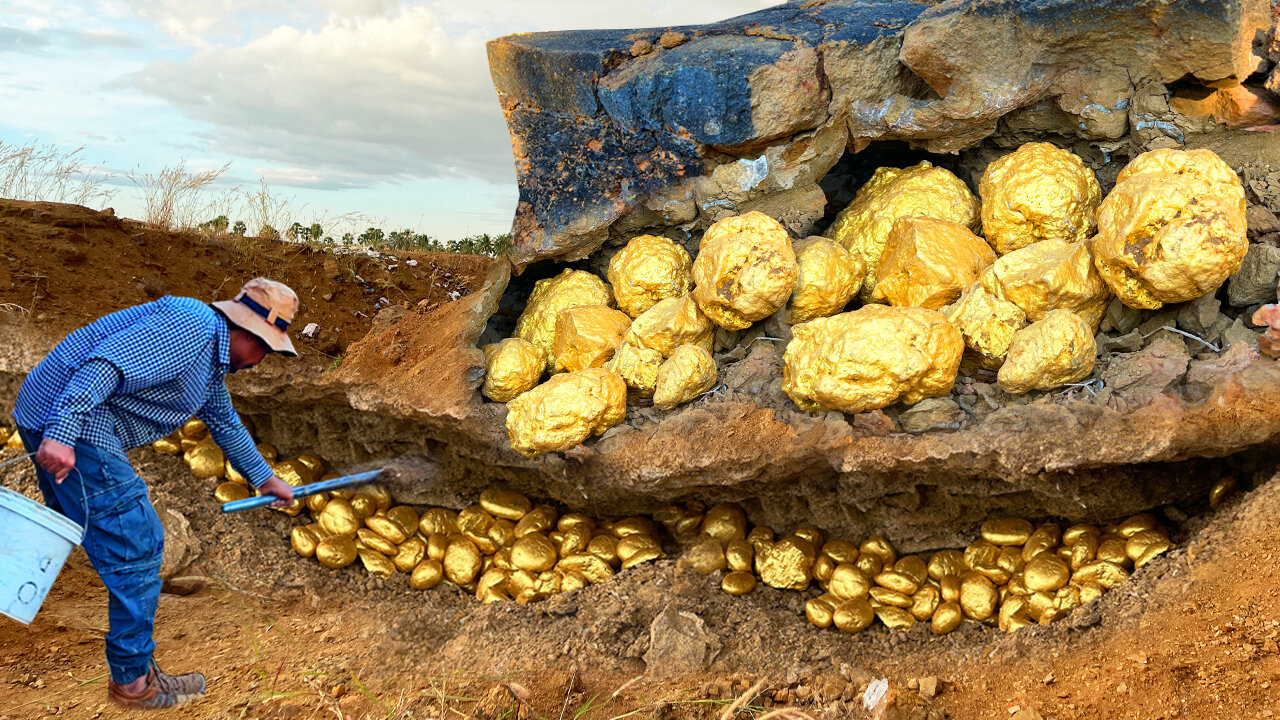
x=246 y=319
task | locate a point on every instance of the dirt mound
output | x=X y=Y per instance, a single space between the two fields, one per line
x=62 y=266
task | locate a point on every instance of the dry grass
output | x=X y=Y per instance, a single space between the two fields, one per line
x=173 y=198
x=49 y=173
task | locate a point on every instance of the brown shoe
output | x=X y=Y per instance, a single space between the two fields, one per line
x=161 y=691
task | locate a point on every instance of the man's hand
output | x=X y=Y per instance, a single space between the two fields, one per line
x=279 y=488
x=57 y=459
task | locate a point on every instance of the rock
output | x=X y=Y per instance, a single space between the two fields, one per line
x=1268 y=317
x=181 y=545
x=1255 y=281
x=1203 y=375
x=388 y=316
x=928 y=687
x=1129 y=342
x=1261 y=221
x=1239 y=333
x=931 y=413
x=679 y=644
x=1198 y=316
x=1149 y=371
x=1120 y=317
x=672 y=38
x=310 y=330
x=641 y=47
x=1237 y=106
x=755 y=90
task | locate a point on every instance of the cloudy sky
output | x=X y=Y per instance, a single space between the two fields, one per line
x=373 y=106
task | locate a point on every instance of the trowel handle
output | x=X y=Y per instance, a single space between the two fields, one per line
x=304 y=491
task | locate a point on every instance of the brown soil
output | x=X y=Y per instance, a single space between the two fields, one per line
x=1192 y=635
x=62 y=266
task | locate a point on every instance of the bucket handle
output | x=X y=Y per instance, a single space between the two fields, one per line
x=84 y=494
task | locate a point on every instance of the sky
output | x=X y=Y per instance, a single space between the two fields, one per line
x=376 y=107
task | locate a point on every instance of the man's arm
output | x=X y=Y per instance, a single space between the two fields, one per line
x=88 y=388
x=231 y=435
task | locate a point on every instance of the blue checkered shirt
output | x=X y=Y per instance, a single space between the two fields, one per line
x=135 y=376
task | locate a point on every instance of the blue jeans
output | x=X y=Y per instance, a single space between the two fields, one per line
x=124 y=541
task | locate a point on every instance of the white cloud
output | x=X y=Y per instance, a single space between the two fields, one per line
x=380 y=96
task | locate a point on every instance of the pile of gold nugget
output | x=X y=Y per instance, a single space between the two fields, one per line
x=1017 y=574
x=1024 y=299
x=507 y=548
x=504 y=548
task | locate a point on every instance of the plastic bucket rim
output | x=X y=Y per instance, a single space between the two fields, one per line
x=55 y=522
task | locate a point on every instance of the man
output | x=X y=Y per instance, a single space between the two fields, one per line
x=126 y=380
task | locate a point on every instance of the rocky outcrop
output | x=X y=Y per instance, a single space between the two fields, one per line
x=616 y=131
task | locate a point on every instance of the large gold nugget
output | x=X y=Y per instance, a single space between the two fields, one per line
x=788 y=564
x=1054 y=351
x=745 y=270
x=336 y=551
x=566 y=410
x=689 y=372
x=921 y=190
x=206 y=459
x=638 y=368
x=1036 y=193
x=571 y=288
x=506 y=504
x=427 y=575
x=671 y=323
x=928 y=262
x=534 y=552
x=647 y=270
x=339 y=518
x=1172 y=229
x=986 y=323
x=829 y=277
x=586 y=336
x=462 y=561
x=1050 y=275
x=725 y=522
x=871 y=358
x=511 y=367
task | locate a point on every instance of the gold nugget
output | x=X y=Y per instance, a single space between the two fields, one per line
x=853 y=616
x=928 y=262
x=1049 y=275
x=171 y=445
x=788 y=564
x=820 y=611
x=745 y=270
x=377 y=563
x=410 y=554
x=725 y=522
x=921 y=190
x=570 y=288
x=566 y=410
x=638 y=368
x=671 y=323
x=986 y=323
x=637 y=549
x=947 y=618
x=706 y=556
x=586 y=336
x=1007 y=531
x=689 y=372
x=738 y=583
x=336 y=551
x=339 y=518
x=871 y=358
x=978 y=596
x=1172 y=229
x=1036 y=193
x=739 y=555
x=462 y=561
x=229 y=492
x=506 y=504
x=304 y=539
x=206 y=459
x=511 y=367
x=1053 y=351
x=829 y=277
x=648 y=270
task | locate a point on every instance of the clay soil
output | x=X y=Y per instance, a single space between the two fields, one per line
x=1192 y=635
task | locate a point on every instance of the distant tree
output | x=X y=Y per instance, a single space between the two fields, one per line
x=317 y=232
x=215 y=226
x=239 y=228
x=295 y=232
x=372 y=237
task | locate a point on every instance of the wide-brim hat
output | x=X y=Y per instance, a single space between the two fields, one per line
x=266 y=309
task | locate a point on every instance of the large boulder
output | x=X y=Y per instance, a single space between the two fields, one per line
x=615 y=132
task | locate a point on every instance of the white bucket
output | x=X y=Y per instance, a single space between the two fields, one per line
x=34 y=543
